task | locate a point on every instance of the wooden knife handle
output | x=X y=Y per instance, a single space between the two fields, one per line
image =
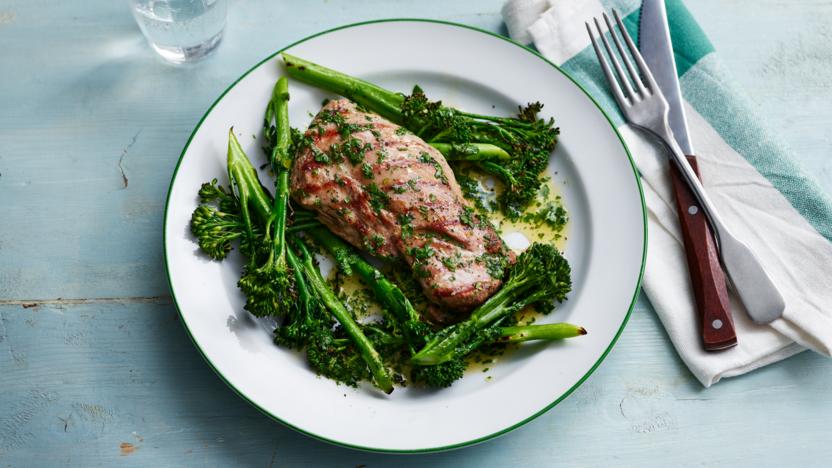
x=706 y=273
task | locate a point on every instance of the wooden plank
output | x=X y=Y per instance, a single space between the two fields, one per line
x=80 y=380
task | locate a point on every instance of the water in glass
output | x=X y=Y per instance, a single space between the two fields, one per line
x=181 y=31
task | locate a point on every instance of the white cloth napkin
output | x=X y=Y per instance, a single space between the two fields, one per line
x=793 y=252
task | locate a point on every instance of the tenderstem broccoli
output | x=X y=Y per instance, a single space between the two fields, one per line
x=541 y=276
x=268 y=284
x=317 y=284
x=394 y=302
x=416 y=332
x=276 y=280
x=266 y=280
x=217 y=222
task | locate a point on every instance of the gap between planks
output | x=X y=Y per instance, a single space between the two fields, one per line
x=28 y=303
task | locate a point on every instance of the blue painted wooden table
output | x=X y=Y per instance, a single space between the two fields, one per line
x=95 y=368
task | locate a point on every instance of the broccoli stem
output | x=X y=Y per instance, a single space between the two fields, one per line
x=471 y=151
x=385 y=291
x=381 y=376
x=281 y=162
x=339 y=249
x=279 y=131
x=443 y=347
x=381 y=286
x=277 y=221
x=499 y=171
x=302 y=226
x=383 y=102
x=244 y=176
x=549 y=331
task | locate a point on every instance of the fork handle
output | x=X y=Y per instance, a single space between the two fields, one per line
x=707 y=278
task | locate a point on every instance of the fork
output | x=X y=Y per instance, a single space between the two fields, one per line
x=645 y=107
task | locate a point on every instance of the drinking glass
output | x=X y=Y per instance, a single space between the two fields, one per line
x=181 y=31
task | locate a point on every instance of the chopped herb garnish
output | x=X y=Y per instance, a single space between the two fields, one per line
x=421 y=253
x=452 y=261
x=495 y=264
x=352 y=149
x=467 y=217
x=320 y=156
x=376 y=241
x=555 y=215
x=420 y=256
x=552 y=214
x=472 y=191
x=345 y=129
x=378 y=199
x=405 y=223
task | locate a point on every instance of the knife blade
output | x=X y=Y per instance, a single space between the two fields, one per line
x=707 y=277
x=656 y=47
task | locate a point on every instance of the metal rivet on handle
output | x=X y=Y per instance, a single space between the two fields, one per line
x=717 y=324
x=693 y=209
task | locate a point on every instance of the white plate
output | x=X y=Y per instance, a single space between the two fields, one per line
x=476 y=71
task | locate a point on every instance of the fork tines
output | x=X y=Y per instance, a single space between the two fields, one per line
x=628 y=95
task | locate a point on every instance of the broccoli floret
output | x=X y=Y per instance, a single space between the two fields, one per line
x=516 y=150
x=266 y=280
x=440 y=375
x=306 y=315
x=541 y=276
x=335 y=358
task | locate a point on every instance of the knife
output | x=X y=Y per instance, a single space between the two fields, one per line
x=707 y=278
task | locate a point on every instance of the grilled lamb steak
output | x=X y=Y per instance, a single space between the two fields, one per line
x=385 y=190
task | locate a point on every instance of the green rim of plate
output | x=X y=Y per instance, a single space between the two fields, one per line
x=428 y=449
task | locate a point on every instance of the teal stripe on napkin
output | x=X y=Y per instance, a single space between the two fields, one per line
x=690 y=43
x=710 y=90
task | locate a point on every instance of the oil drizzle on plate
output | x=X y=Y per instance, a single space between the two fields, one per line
x=519 y=234
x=533 y=225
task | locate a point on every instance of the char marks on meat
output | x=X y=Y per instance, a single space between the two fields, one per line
x=385 y=190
